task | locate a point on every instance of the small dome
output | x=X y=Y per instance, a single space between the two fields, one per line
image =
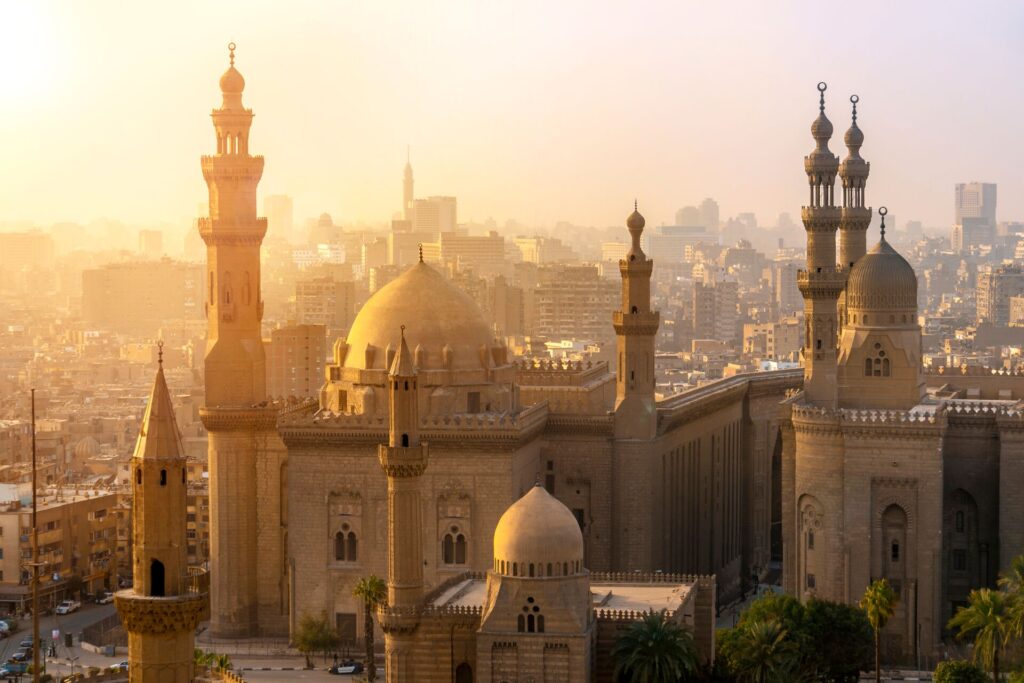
x=538 y=532
x=854 y=137
x=882 y=281
x=821 y=129
x=87 y=448
x=635 y=221
x=232 y=83
x=436 y=314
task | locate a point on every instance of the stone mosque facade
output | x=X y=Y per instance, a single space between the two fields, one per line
x=887 y=472
x=842 y=474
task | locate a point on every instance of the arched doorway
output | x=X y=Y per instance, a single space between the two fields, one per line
x=156 y=578
x=464 y=673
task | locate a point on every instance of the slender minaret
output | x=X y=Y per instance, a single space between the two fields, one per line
x=635 y=328
x=165 y=604
x=856 y=217
x=403 y=460
x=235 y=361
x=407 y=188
x=822 y=282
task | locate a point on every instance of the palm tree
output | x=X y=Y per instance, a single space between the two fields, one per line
x=986 y=619
x=762 y=653
x=373 y=592
x=654 y=649
x=879 y=602
x=1012 y=580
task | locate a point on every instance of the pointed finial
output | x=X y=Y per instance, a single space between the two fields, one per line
x=160 y=353
x=403 y=331
x=822 y=87
x=881 y=212
x=421 y=252
x=231 y=53
x=854 y=100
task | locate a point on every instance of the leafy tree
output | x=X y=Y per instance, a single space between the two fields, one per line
x=987 y=619
x=879 y=602
x=837 y=639
x=315 y=634
x=761 y=652
x=959 y=671
x=1012 y=582
x=373 y=592
x=653 y=650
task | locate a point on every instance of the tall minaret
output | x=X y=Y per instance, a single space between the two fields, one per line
x=403 y=460
x=235 y=364
x=822 y=282
x=635 y=327
x=407 y=196
x=165 y=604
x=856 y=218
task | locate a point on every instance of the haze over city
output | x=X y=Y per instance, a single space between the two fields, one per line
x=539 y=112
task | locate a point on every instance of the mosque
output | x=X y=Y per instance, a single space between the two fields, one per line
x=524 y=512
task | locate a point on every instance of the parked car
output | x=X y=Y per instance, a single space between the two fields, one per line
x=26 y=643
x=104 y=598
x=21 y=656
x=68 y=606
x=346 y=668
x=119 y=667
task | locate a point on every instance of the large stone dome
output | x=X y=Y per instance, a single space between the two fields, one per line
x=438 y=318
x=538 y=536
x=882 y=281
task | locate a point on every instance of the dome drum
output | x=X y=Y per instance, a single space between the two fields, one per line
x=538 y=537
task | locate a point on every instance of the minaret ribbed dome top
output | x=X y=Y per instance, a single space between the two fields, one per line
x=854 y=137
x=882 y=281
x=821 y=129
x=232 y=83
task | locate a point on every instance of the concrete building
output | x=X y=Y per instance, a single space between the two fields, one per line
x=780 y=340
x=996 y=285
x=151 y=243
x=296 y=355
x=544 y=250
x=484 y=254
x=140 y=296
x=880 y=477
x=716 y=308
x=435 y=215
x=326 y=301
x=572 y=302
x=974 y=220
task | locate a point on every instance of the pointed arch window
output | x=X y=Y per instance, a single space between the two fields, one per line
x=346 y=545
x=454 y=547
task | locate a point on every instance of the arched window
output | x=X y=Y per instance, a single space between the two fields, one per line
x=531 y=569
x=867 y=367
x=531 y=623
x=453 y=547
x=353 y=546
x=448 y=549
x=515 y=569
x=464 y=673
x=346 y=545
x=339 y=546
x=549 y=569
x=634 y=310
x=885 y=367
x=960 y=521
x=460 y=549
x=540 y=623
x=138 y=476
x=565 y=569
x=522 y=623
x=163 y=477
x=405 y=440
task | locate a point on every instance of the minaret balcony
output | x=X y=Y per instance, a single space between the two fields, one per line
x=170 y=613
x=855 y=218
x=243 y=167
x=820 y=218
x=636 y=323
x=403 y=461
x=827 y=282
x=218 y=232
x=398 y=620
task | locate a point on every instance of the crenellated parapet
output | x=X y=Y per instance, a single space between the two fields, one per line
x=151 y=615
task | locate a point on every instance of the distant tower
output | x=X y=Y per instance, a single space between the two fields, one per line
x=162 y=609
x=821 y=283
x=403 y=460
x=407 y=196
x=235 y=360
x=635 y=328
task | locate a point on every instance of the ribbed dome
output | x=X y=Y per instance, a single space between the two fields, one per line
x=538 y=530
x=882 y=281
x=821 y=129
x=232 y=83
x=854 y=137
x=635 y=221
x=435 y=314
x=87 y=448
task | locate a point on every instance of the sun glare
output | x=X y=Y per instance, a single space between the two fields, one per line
x=27 y=49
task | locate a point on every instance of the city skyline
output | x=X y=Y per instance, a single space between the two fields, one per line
x=558 y=115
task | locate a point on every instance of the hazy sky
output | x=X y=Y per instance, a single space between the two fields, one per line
x=541 y=111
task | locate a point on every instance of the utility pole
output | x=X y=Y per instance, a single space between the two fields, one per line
x=35 y=555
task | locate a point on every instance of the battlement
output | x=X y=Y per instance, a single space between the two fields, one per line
x=547 y=372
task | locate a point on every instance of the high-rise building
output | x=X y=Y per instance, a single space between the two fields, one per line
x=434 y=215
x=506 y=305
x=708 y=215
x=689 y=216
x=151 y=243
x=326 y=301
x=484 y=254
x=544 y=250
x=572 y=302
x=280 y=213
x=996 y=286
x=139 y=296
x=974 y=220
x=296 y=355
x=716 y=308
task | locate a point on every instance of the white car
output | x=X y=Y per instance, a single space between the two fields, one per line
x=68 y=606
x=105 y=598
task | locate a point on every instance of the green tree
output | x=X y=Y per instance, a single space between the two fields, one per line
x=762 y=652
x=315 y=634
x=959 y=671
x=373 y=592
x=653 y=650
x=1012 y=582
x=987 y=620
x=879 y=602
x=837 y=641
